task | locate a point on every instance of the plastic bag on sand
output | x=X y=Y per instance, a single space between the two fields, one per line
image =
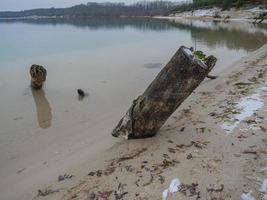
x=247 y=196
x=174 y=187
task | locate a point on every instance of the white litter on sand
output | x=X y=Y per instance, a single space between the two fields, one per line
x=165 y=194
x=174 y=187
x=247 y=196
x=263 y=188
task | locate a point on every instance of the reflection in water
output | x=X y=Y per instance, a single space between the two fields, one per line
x=44 y=111
x=103 y=23
x=233 y=35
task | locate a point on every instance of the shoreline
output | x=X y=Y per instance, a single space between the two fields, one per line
x=209 y=19
x=191 y=146
x=215 y=14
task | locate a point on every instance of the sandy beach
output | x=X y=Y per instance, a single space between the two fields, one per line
x=215 y=143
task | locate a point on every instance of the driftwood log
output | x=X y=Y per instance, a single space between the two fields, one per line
x=261 y=17
x=38 y=76
x=175 y=82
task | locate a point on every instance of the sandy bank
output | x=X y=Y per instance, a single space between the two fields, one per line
x=213 y=144
x=215 y=14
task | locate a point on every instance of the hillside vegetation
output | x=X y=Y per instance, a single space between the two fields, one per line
x=92 y=9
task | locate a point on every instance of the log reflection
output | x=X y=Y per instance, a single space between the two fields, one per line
x=43 y=109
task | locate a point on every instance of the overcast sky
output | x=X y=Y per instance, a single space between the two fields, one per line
x=14 y=5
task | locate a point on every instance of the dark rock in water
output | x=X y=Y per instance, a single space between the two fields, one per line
x=20 y=170
x=38 y=76
x=81 y=92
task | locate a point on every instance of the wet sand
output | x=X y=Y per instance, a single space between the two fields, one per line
x=211 y=160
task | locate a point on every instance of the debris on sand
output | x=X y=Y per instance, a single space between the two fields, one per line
x=130 y=157
x=150 y=181
x=190 y=190
x=161 y=179
x=171 y=150
x=91 y=173
x=197 y=144
x=119 y=193
x=91 y=196
x=212 y=189
x=105 y=194
x=46 y=192
x=167 y=163
x=250 y=152
x=189 y=156
x=63 y=177
x=243 y=84
x=200 y=130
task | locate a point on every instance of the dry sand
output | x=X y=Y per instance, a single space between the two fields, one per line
x=216 y=147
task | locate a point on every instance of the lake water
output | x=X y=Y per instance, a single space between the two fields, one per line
x=113 y=60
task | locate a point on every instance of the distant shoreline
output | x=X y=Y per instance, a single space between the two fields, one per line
x=208 y=19
x=93 y=9
x=216 y=14
x=65 y=17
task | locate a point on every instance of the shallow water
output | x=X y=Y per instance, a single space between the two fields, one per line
x=113 y=60
x=109 y=58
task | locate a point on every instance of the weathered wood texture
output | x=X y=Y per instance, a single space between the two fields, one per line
x=176 y=81
x=38 y=76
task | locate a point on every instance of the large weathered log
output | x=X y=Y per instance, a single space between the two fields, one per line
x=176 y=81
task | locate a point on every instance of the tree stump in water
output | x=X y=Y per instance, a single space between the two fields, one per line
x=175 y=82
x=38 y=76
